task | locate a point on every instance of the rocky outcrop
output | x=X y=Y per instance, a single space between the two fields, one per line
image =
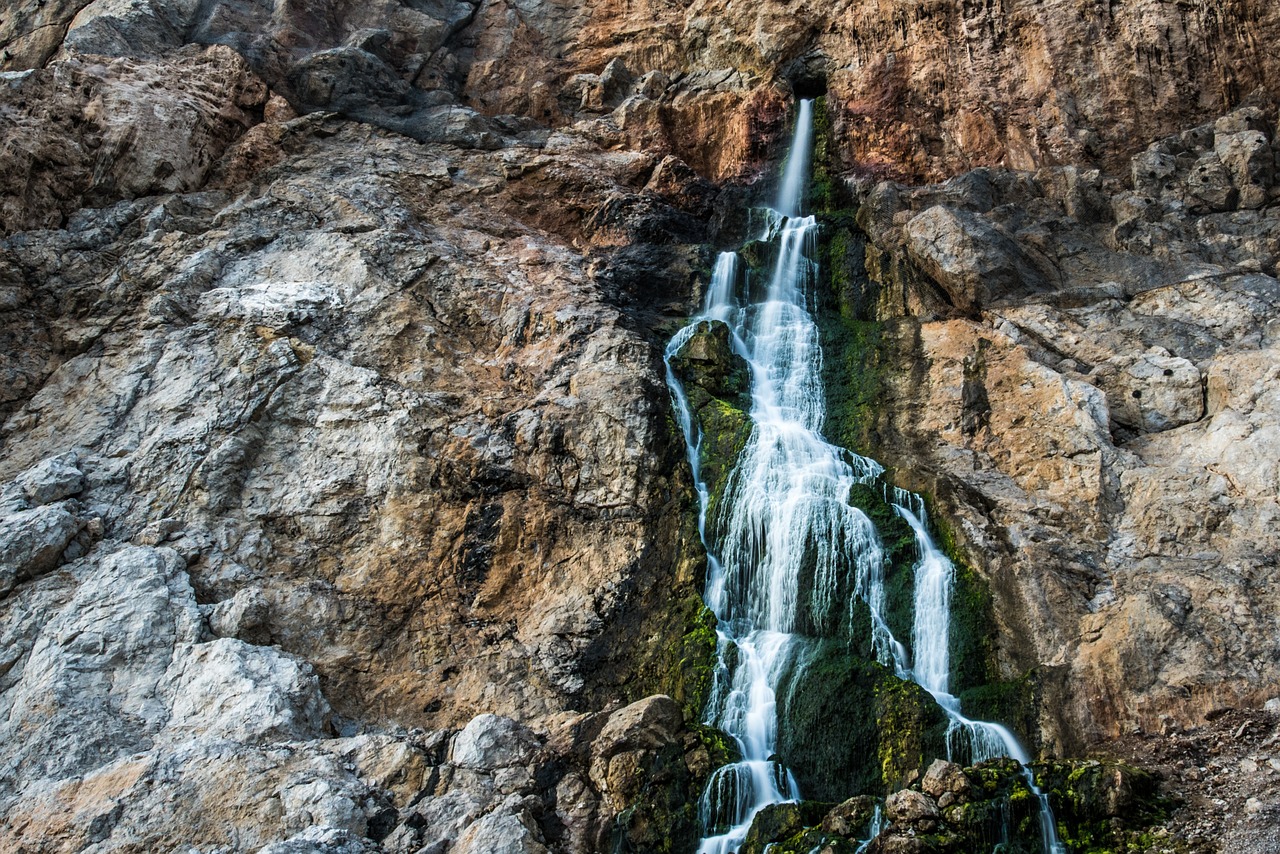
x=920 y=91
x=334 y=418
x=319 y=441
x=1098 y=441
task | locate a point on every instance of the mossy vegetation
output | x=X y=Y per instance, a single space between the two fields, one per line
x=848 y=725
x=1103 y=807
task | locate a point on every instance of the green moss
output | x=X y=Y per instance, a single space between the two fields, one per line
x=693 y=663
x=1103 y=807
x=717 y=384
x=912 y=730
x=848 y=726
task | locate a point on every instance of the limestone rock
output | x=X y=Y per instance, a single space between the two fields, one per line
x=240 y=615
x=501 y=832
x=850 y=817
x=51 y=480
x=490 y=742
x=627 y=743
x=118 y=129
x=229 y=689
x=1152 y=392
x=970 y=258
x=32 y=542
x=943 y=778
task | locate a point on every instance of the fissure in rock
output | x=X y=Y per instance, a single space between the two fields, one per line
x=796 y=570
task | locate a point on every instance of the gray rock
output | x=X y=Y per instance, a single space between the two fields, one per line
x=1152 y=392
x=1209 y=186
x=240 y=615
x=501 y=832
x=229 y=689
x=52 y=480
x=32 y=542
x=971 y=258
x=943 y=777
x=908 y=807
x=490 y=742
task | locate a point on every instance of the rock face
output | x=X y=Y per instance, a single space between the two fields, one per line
x=317 y=436
x=340 y=504
x=1102 y=444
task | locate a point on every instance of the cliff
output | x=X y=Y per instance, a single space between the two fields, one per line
x=335 y=415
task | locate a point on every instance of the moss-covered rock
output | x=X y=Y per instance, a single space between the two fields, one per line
x=663 y=816
x=717 y=383
x=901 y=555
x=848 y=726
x=1102 y=807
x=692 y=663
x=778 y=823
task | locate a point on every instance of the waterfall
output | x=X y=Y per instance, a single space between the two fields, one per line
x=931 y=633
x=786 y=513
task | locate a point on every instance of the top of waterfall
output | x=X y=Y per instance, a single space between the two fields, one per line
x=795 y=178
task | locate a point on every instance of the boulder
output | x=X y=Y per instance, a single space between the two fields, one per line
x=946 y=778
x=910 y=808
x=971 y=258
x=850 y=818
x=52 y=479
x=1152 y=392
x=502 y=831
x=490 y=742
x=32 y=542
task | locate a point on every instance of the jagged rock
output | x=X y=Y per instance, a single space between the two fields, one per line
x=32 y=542
x=241 y=614
x=627 y=743
x=850 y=817
x=501 y=832
x=97 y=131
x=1151 y=392
x=911 y=808
x=709 y=360
x=974 y=262
x=946 y=778
x=228 y=689
x=51 y=480
x=490 y=742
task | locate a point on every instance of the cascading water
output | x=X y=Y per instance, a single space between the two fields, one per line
x=785 y=539
x=931 y=633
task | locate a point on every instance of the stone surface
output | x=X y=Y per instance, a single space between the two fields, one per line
x=334 y=415
x=490 y=742
x=911 y=808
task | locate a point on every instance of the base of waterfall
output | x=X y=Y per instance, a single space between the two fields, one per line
x=953 y=810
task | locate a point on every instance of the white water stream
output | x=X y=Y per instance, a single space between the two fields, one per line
x=786 y=511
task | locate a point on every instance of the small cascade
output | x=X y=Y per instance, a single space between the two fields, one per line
x=786 y=548
x=970 y=740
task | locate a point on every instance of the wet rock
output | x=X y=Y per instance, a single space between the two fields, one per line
x=709 y=360
x=912 y=808
x=850 y=818
x=946 y=778
x=772 y=824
